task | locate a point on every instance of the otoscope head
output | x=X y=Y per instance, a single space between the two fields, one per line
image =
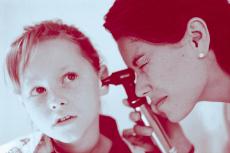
x=120 y=77
x=106 y=81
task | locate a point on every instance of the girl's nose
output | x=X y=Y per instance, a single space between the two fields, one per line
x=58 y=104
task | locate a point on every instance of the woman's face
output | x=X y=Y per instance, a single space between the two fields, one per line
x=171 y=75
x=61 y=91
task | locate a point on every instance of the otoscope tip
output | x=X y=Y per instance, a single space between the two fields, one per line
x=106 y=81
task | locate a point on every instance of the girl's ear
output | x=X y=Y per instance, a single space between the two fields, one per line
x=103 y=73
x=198 y=36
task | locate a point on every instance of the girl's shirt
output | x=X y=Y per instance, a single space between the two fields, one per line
x=40 y=143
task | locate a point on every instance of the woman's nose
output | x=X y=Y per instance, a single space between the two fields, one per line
x=142 y=86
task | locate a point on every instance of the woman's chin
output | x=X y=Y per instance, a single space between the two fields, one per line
x=175 y=118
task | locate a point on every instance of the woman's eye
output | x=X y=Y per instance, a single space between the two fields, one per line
x=38 y=91
x=71 y=76
x=142 y=62
x=142 y=66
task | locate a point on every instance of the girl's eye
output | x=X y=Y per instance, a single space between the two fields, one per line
x=71 y=76
x=38 y=91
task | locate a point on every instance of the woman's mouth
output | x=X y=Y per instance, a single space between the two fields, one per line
x=161 y=101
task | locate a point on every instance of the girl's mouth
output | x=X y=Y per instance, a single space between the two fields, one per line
x=64 y=120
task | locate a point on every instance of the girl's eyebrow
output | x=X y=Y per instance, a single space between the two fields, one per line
x=67 y=68
x=30 y=80
x=64 y=68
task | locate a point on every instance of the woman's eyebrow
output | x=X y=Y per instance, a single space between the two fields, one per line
x=136 y=58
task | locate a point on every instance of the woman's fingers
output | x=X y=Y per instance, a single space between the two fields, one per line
x=128 y=133
x=125 y=102
x=143 y=130
x=140 y=141
x=135 y=116
x=139 y=135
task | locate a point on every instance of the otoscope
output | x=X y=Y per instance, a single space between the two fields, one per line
x=126 y=78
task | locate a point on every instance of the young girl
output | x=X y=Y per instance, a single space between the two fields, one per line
x=57 y=72
x=179 y=50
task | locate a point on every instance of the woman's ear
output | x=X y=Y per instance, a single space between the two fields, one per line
x=198 y=36
x=103 y=73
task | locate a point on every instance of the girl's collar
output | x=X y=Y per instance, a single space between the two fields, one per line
x=103 y=146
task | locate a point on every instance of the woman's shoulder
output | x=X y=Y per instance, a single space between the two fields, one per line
x=25 y=144
x=227 y=116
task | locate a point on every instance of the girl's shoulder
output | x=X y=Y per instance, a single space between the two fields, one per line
x=33 y=143
x=108 y=127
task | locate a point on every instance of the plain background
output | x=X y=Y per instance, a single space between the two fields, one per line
x=204 y=126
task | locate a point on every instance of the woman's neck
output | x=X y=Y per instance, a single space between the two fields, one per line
x=218 y=86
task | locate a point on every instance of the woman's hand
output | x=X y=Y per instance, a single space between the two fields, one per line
x=139 y=135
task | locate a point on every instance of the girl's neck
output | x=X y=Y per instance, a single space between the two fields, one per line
x=90 y=142
x=103 y=145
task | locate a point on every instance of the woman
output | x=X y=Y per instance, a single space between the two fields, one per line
x=179 y=51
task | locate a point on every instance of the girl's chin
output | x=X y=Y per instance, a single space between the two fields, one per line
x=67 y=139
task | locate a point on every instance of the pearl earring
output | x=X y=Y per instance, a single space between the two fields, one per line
x=201 y=55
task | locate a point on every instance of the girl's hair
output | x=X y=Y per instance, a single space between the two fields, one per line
x=165 y=21
x=18 y=57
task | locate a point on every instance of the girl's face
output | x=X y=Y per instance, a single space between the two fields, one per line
x=171 y=75
x=61 y=91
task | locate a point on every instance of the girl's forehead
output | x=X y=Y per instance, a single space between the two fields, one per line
x=54 y=54
x=54 y=48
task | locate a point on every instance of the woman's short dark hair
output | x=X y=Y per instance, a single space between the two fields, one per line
x=165 y=21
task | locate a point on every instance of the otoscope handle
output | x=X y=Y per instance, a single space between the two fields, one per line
x=158 y=135
x=130 y=91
